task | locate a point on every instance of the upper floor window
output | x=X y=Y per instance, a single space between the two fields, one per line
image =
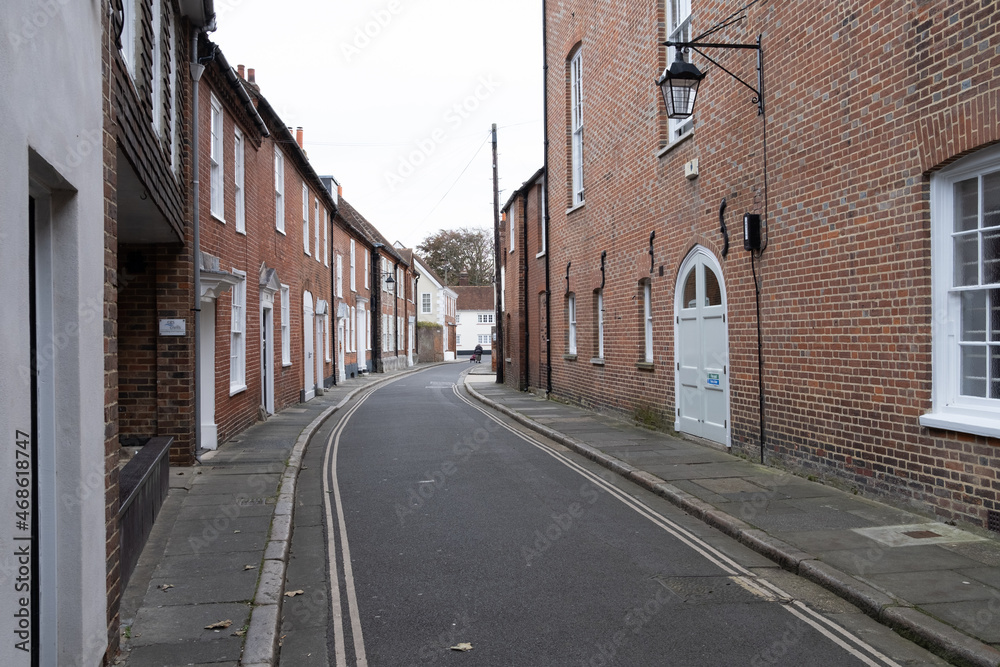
x=215 y=156
x=512 y=213
x=340 y=276
x=237 y=344
x=305 y=219
x=316 y=228
x=156 y=83
x=485 y=318
x=576 y=116
x=425 y=303
x=238 y=173
x=279 y=190
x=286 y=326
x=965 y=278
x=678 y=30
x=354 y=281
x=128 y=35
x=326 y=238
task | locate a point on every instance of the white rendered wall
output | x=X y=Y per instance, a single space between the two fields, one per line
x=50 y=75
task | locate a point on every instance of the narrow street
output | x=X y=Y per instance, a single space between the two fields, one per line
x=443 y=527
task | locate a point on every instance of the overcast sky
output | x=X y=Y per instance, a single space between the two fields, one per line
x=397 y=98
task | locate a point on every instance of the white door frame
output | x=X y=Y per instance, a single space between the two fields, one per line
x=267 y=354
x=714 y=371
x=308 y=347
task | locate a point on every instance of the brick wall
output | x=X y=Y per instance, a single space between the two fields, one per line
x=863 y=104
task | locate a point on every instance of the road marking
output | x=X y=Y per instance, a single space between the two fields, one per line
x=751 y=581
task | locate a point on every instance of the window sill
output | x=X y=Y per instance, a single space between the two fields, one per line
x=569 y=357
x=541 y=254
x=984 y=426
x=597 y=361
x=281 y=231
x=671 y=146
x=577 y=207
x=216 y=216
x=242 y=231
x=286 y=364
x=237 y=390
x=645 y=365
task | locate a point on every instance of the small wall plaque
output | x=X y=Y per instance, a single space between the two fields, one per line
x=173 y=327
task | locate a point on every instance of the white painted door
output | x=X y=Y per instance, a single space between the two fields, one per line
x=341 y=344
x=320 y=351
x=359 y=347
x=702 y=349
x=209 y=430
x=308 y=348
x=267 y=359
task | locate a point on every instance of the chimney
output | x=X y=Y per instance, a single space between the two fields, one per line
x=463 y=278
x=250 y=75
x=298 y=137
x=239 y=70
x=340 y=191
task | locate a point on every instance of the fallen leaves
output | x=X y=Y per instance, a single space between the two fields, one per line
x=221 y=625
x=249 y=567
x=464 y=646
x=291 y=594
x=165 y=587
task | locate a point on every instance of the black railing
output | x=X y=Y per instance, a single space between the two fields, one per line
x=142 y=487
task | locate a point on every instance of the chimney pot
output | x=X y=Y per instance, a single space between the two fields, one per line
x=298 y=137
x=250 y=75
x=239 y=70
x=340 y=191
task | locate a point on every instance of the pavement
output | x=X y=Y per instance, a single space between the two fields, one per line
x=209 y=584
x=218 y=552
x=932 y=582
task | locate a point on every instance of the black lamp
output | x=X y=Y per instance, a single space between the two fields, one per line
x=679 y=86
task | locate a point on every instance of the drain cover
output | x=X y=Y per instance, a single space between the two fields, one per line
x=921 y=534
x=917 y=533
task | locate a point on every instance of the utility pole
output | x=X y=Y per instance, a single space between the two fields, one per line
x=498 y=352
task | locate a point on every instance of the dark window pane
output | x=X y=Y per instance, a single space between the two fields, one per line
x=974 y=316
x=991 y=200
x=691 y=289
x=967 y=260
x=713 y=294
x=991 y=257
x=974 y=370
x=967 y=205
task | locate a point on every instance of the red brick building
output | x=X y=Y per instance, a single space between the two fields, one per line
x=523 y=270
x=877 y=192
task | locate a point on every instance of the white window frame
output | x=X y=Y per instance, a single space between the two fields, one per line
x=484 y=318
x=156 y=84
x=576 y=125
x=950 y=410
x=600 y=324
x=305 y=219
x=484 y=339
x=217 y=170
x=316 y=216
x=128 y=35
x=239 y=170
x=647 y=307
x=512 y=214
x=542 y=207
x=425 y=303
x=354 y=277
x=326 y=337
x=458 y=339
x=340 y=276
x=238 y=339
x=326 y=237
x=279 y=190
x=678 y=30
x=286 y=326
x=173 y=116
x=571 y=315
x=367 y=265
x=352 y=342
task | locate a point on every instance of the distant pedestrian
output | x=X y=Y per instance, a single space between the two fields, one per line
x=477 y=355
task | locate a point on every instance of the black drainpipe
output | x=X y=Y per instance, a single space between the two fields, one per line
x=545 y=195
x=525 y=340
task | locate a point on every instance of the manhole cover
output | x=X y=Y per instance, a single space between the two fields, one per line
x=250 y=502
x=921 y=534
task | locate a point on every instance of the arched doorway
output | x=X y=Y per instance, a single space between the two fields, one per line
x=701 y=348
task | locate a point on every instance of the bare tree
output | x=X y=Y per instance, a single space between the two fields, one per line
x=450 y=251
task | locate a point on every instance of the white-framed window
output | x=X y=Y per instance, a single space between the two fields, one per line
x=279 y=190
x=600 y=324
x=400 y=284
x=647 y=317
x=326 y=337
x=316 y=219
x=399 y=333
x=458 y=316
x=128 y=35
x=238 y=175
x=354 y=274
x=326 y=237
x=413 y=290
x=458 y=339
x=367 y=264
x=571 y=317
x=425 y=303
x=305 y=219
x=576 y=125
x=286 y=326
x=965 y=302
x=678 y=30
x=512 y=214
x=484 y=339
x=237 y=342
x=351 y=336
x=368 y=329
x=156 y=85
x=173 y=117
x=485 y=318
x=215 y=158
x=385 y=331
x=340 y=276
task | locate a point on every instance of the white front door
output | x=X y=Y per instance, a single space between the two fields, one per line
x=702 y=349
x=341 y=341
x=267 y=358
x=361 y=342
x=309 y=385
x=320 y=339
x=209 y=436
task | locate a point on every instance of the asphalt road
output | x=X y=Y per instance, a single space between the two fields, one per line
x=439 y=527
